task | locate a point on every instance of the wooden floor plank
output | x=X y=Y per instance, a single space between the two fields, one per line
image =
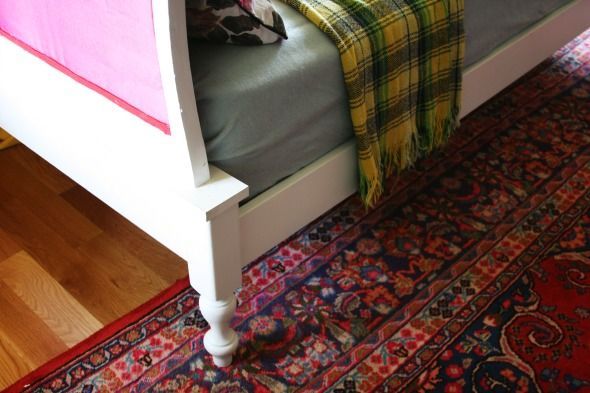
x=130 y=279
x=90 y=281
x=157 y=257
x=52 y=252
x=12 y=364
x=68 y=245
x=21 y=326
x=8 y=247
x=40 y=169
x=59 y=215
x=63 y=314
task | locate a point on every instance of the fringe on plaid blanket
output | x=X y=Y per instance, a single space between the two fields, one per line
x=402 y=62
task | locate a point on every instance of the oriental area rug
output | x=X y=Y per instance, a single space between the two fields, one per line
x=471 y=274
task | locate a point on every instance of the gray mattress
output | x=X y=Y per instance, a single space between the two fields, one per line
x=268 y=111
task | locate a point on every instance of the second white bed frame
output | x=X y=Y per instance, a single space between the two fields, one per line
x=165 y=186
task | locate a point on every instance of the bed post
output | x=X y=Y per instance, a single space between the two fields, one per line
x=177 y=83
x=214 y=260
x=216 y=276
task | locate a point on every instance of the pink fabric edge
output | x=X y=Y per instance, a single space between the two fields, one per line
x=165 y=128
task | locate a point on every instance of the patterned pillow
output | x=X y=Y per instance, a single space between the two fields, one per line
x=245 y=22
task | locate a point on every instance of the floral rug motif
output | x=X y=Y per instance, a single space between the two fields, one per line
x=472 y=274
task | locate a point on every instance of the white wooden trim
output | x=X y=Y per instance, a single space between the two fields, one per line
x=177 y=81
x=276 y=214
x=282 y=210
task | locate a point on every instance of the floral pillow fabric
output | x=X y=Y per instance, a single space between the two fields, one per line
x=244 y=22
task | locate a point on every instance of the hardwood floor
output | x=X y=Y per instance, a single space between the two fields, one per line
x=68 y=264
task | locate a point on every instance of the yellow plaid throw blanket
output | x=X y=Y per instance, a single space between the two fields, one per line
x=402 y=63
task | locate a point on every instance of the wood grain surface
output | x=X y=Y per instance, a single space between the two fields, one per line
x=68 y=264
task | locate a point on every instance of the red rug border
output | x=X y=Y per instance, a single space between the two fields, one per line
x=101 y=335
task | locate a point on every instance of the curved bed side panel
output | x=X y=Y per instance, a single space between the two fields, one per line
x=172 y=47
x=108 y=46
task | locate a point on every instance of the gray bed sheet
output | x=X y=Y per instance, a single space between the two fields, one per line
x=268 y=111
x=490 y=23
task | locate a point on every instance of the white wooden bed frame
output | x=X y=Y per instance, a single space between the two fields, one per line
x=165 y=186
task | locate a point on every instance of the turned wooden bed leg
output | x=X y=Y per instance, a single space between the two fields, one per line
x=216 y=275
x=221 y=340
